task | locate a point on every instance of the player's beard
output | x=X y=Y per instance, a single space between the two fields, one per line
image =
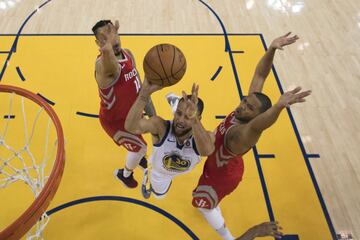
x=182 y=133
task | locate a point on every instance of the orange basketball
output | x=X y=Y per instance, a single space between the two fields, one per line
x=164 y=65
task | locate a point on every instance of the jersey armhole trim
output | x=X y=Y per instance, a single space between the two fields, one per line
x=194 y=146
x=225 y=145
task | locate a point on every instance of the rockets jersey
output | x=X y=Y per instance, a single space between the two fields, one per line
x=117 y=99
x=172 y=159
x=223 y=163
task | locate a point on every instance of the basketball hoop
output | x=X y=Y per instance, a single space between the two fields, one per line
x=44 y=187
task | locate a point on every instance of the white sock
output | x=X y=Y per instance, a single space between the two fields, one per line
x=132 y=160
x=217 y=222
x=225 y=233
x=126 y=172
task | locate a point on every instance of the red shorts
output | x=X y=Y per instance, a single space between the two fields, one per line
x=121 y=137
x=210 y=191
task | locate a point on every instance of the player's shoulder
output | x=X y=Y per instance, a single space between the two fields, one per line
x=126 y=50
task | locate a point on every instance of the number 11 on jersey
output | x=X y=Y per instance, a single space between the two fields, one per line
x=137 y=84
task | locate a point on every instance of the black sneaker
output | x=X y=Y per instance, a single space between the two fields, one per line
x=143 y=163
x=129 y=182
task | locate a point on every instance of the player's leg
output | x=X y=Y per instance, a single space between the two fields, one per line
x=206 y=199
x=133 y=159
x=137 y=148
x=216 y=221
x=159 y=184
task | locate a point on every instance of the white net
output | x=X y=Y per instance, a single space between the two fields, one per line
x=18 y=161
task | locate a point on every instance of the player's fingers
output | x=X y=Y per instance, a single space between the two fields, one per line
x=184 y=96
x=304 y=94
x=287 y=34
x=108 y=27
x=196 y=92
x=295 y=90
x=296 y=37
x=193 y=89
x=117 y=25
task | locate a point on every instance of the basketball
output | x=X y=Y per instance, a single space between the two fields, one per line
x=164 y=65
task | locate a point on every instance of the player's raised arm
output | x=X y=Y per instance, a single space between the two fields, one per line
x=135 y=123
x=204 y=139
x=107 y=67
x=149 y=108
x=262 y=230
x=264 y=66
x=268 y=118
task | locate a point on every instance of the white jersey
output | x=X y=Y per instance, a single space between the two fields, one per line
x=170 y=158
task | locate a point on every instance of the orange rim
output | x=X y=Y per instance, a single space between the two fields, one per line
x=32 y=214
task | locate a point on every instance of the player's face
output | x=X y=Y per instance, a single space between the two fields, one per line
x=248 y=109
x=113 y=37
x=181 y=124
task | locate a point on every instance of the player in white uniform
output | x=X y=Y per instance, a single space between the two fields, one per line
x=178 y=144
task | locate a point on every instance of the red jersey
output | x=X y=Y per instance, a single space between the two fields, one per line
x=223 y=170
x=223 y=163
x=117 y=99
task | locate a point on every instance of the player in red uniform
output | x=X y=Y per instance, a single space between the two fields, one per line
x=119 y=85
x=236 y=135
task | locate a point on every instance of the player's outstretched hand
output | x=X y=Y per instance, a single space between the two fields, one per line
x=106 y=36
x=293 y=96
x=148 y=88
x=191 y=103
x=265 y=229
x=284 y=40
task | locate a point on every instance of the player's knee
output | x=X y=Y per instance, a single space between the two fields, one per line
x=202 y=203
x=204 y=196
x=160 y=190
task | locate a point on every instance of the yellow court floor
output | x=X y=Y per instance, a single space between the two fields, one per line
x=277 y=182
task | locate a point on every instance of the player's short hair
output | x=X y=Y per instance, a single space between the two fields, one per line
x=100 y=24
x=200 y=104
x=265 y=101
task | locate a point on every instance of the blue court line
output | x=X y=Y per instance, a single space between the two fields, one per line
x=227 y=48
x=305 y=155
x=237 y=51
x=132 y=34
x=263 y=184
x=312 y=155
x=14 y=46
x=20 y=73
x=266 y=155
x=4 y=52
x=220 y=117
x=128 y=200
x=46 y=99
x=9 y=116
x=227 y=45
x=216 y=73
x=87 y=114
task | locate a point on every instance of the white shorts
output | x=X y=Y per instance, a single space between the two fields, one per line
x=160 y=183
